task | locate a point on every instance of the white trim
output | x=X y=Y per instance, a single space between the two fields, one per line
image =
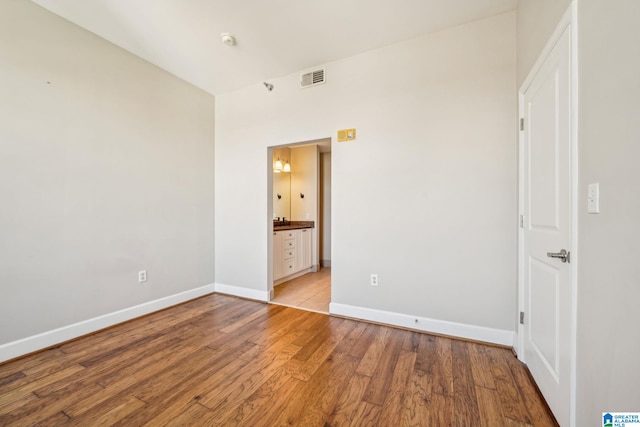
x=570 y=18
x=43 y=340
x=443 y=327
x=239 y=291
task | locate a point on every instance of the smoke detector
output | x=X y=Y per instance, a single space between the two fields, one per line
x=228 y=39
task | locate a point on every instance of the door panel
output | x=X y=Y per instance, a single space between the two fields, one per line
x=547 y=206
x=543 y=157
x=544 y=328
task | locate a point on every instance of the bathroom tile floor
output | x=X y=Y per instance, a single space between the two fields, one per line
x=311 y=291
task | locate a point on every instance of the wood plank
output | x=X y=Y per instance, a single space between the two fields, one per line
x=323 y=352
x=361 y=346
x=464 y=393
x=481 y=367
x=398 y=388
x=266 y=404
x=415 y=407
x=109 y=414
x=382 y=377
x=442 y=412
x=511 y=401
x=435 y=358
x=9 y=378
x=444 y=365
x=411 y=342
x=313 y=401
x=31 y=411
x=373 y=354
x=366 y=414
x=489 y=407
x=534 y=402
x=21 y=392
x=57 y=419
x=348 y=402
x=35 y=360
x=194 y=415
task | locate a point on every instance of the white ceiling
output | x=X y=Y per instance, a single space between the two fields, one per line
x=274 y=37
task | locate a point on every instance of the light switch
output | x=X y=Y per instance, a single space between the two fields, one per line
x=593 y=198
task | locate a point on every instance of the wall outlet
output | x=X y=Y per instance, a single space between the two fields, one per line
x=142 y=276
x=374 y=279
x=593 y=198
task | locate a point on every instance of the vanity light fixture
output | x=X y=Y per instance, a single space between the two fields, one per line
x=278 y=166
x=287 y=167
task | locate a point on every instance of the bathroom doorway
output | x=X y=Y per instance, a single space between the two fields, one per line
x=300 y=219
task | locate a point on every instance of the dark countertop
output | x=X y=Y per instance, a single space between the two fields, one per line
x=294 y=225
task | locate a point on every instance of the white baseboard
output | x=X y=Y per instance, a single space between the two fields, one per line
x=443 y=327
x=239 y=291
x=37 y=342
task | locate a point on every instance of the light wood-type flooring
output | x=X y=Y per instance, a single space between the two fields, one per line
x=224 y=361
x=311 y=291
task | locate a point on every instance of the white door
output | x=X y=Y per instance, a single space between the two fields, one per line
x=547 y=194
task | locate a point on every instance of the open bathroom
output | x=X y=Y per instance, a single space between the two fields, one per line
x=301 y=212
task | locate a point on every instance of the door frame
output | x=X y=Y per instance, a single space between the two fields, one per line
x=569 y=19
x=269 y=212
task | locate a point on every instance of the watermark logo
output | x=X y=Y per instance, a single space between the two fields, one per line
x=621 y=419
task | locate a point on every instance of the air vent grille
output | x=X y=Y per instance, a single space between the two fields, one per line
x=312 y=78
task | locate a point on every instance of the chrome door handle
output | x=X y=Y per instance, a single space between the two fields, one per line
x=564 y=255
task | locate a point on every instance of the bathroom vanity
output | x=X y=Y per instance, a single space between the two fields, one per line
x=292 y=250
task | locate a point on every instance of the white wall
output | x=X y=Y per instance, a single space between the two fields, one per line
x=536 y=21
x=106 y=168
x=609 y=243
x=425 y=197
x=304 y=179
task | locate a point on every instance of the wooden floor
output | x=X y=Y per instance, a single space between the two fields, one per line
x=219 y=360
x=311 y=291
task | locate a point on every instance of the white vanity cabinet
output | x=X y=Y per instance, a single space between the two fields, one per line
x=292 y=252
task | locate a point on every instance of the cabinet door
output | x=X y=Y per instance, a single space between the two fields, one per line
x=277 y=256
x=303 y=249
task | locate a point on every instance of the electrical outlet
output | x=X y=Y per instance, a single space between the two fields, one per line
x=593 y=198
x=142 y=276
x=374 y=279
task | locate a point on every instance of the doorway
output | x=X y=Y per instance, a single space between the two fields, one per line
x=300 y=243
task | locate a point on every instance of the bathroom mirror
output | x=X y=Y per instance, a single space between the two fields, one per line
x=282 y=195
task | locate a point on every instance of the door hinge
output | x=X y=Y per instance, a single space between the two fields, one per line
x=522 y=317
x=522 y=123
x=521 y=221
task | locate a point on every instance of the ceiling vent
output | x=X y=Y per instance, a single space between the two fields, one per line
x=312 y=78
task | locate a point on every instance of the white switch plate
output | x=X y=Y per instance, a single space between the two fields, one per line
x=593 y=198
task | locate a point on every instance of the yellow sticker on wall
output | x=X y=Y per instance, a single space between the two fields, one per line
x=346 y=135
